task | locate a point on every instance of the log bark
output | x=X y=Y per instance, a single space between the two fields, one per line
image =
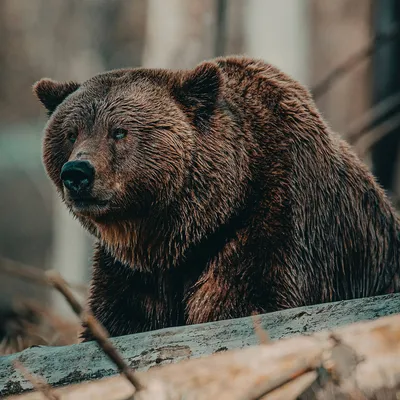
x=77 y=363
x=359 y=361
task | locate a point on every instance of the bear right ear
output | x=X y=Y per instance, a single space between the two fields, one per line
x=199 y=91
x=51 y=93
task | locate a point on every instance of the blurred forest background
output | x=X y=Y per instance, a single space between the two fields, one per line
x=345 y=51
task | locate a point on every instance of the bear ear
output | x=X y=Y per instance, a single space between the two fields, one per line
x=51 y=93
x=199 y=92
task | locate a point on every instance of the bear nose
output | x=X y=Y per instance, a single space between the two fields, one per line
x=77 y=176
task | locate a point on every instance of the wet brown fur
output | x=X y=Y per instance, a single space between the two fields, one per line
x=229 y=196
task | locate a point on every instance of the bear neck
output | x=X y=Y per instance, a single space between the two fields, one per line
x=169 y=242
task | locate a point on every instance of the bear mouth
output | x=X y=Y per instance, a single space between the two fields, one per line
x=89 y=205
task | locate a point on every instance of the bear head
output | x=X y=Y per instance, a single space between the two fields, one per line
x=142 y=144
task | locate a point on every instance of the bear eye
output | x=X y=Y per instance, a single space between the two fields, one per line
x=119 y=133
x=72 y=136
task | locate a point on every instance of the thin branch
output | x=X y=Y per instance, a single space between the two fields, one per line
x=379 y=40
x=29 y=273
x=259 y=391
x=102 y=338
x=370 y=138
x=98 y=331
x=260 y=332
x=367 y=121
x=38 y=384
x=63 y=328
x=55 y=280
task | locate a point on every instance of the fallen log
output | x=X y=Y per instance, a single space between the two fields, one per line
x=358 y=361
x=77 y=363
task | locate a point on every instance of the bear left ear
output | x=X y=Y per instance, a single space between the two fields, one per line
x=51 y=93
x=199 y=91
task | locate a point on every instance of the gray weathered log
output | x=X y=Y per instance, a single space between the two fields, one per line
x=360 y=361
x=82 y=362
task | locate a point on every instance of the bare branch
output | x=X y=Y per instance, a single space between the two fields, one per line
x=38 y=383
x=379 y=40
x=370 y=138
x=366 y=122
x=260 y=332
x=99 y=333
x=29 y=273
x=101 y=336
x=54 y=279
x=300 y=368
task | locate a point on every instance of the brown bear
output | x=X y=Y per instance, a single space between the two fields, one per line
x=214 y=193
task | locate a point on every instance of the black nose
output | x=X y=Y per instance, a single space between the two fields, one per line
x=77 y=176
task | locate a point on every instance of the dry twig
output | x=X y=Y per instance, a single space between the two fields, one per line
x=367 y=121
x=102 y=338
x=29 y=273
x=99 y=333
x=370 y=138
x=54 y=279
x=37 y=383
x=354 y=60
x=300 y=367
x=66 y=331
x=260 y=332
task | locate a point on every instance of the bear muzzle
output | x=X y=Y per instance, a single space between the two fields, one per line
x=77 y=177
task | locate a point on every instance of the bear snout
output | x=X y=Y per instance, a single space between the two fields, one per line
x=77 y=176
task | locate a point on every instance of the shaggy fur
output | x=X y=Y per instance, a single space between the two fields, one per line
x=229 y=195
